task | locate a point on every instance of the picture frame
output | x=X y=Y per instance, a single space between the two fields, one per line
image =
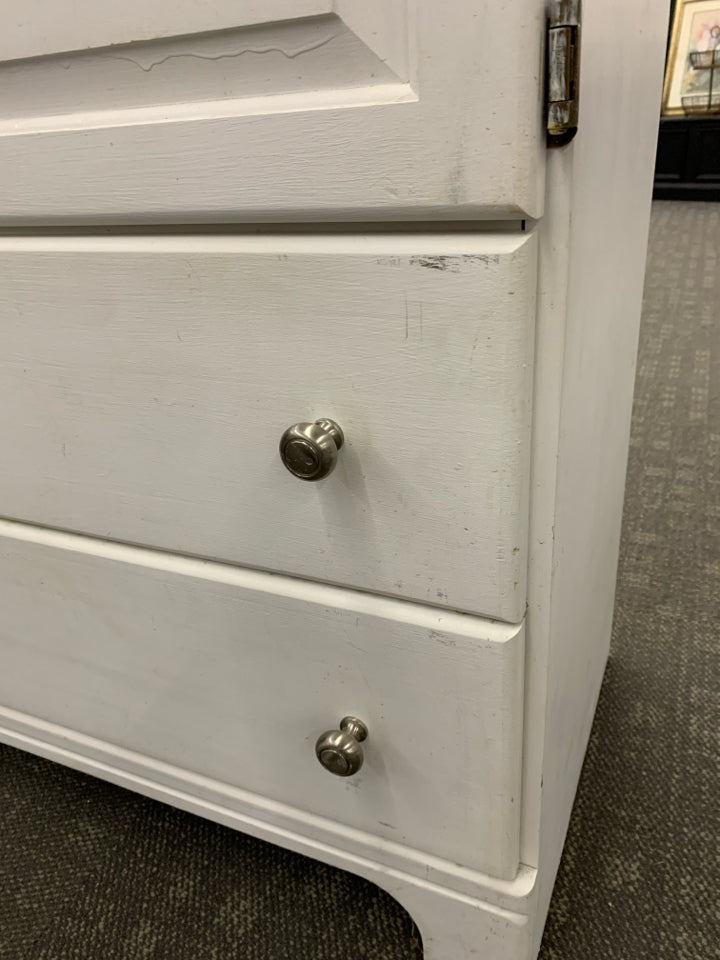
x=692 y=71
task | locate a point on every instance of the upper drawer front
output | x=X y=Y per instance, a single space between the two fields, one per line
x=285 y=110
x=145 y=384
x=234 y=674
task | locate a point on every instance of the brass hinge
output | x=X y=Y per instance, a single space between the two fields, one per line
x=563 y=71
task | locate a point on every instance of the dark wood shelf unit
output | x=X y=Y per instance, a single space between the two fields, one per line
x=687 y=165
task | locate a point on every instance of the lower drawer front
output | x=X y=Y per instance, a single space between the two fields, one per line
x=233 y=674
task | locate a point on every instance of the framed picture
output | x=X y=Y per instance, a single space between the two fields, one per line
x=692 y=73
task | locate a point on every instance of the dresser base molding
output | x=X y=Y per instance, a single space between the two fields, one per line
x=460 y=913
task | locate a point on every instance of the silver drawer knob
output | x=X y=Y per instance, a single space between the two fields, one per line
x=310 y=450
x=339 y=751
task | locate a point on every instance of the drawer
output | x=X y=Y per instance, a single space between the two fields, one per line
x=286 y=110
x=234 y=674
x=145 y=384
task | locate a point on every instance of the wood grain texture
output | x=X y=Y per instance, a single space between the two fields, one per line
x=459 y=135
x=145 y=384
x=199 y=665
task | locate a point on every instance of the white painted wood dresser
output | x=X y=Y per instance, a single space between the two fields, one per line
x=219 y=220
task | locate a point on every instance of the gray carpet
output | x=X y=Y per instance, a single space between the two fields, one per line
x=639 y=877
x=91 y=872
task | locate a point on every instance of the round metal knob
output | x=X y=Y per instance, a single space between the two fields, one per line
x=339 y=751
x=310 y=450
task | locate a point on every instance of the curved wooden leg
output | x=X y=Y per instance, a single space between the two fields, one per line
x=457 y=927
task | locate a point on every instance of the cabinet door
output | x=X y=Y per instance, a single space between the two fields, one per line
x=282 y=110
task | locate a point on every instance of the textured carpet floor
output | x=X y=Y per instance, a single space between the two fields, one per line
x=91 y=872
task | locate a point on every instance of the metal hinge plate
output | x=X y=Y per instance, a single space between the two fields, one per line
x=563 y=71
